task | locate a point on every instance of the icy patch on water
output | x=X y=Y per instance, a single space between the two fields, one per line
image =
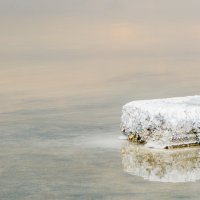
x=103 y=140
x=123 y=137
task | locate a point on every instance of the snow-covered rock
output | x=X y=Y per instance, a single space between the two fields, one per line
x=180 y=165
x=163 y=123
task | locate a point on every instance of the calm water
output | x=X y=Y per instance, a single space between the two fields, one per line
x=66 y=69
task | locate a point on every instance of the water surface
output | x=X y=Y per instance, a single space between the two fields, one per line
x=66 y=69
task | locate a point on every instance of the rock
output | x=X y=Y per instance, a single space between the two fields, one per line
x=163 y=123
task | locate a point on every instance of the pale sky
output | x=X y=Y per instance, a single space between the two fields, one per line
x=62 y=45
x=62 y=28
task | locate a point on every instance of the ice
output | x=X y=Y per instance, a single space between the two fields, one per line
x=163 y=123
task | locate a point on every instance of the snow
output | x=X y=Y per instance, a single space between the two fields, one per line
x=163 y=123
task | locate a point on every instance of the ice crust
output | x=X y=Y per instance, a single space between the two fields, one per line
x=162 y=123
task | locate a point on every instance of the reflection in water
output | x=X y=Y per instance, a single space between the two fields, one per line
x=181 y=165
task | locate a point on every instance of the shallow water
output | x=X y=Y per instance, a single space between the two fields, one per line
x=66 y=69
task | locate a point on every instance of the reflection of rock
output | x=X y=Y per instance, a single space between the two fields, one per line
x=163 y=123
x=166 y=165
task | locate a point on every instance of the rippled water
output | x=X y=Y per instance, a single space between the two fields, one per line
x=66 y=69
